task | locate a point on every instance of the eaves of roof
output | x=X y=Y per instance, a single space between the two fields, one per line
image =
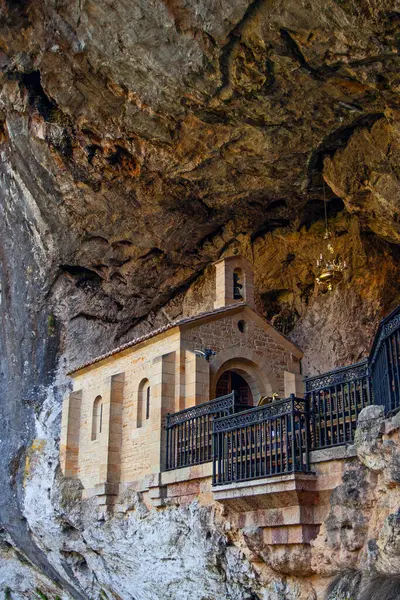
x=158 y=331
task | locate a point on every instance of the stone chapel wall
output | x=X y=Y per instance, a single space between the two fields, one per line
x=130 y=445
x=224 y=334
x=139 y=447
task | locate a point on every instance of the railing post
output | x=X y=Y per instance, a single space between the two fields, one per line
x=292 y=427
x=167 y=442
x=214 y=457
x=307 y=432
x=389 y=375
x=370 y=389
x=396 y=367
x=234 y=397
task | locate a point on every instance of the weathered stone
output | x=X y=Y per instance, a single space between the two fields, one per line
x=294 y=559
x=345 y=586
x=363 y=177
x=370 y=428
x=71 y=492
x=369 y=415
x=387 y=558
x=344 y=531
x=140 y=141
x=395 y=421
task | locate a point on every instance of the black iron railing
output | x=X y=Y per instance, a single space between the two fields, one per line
x=384 y=363
x=335 y=400
x=261 y=442
x=276 y=439
x=189 y=431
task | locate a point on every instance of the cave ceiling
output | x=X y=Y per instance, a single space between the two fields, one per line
x=153 y=136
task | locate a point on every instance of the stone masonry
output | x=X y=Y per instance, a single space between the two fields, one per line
x=113 y=420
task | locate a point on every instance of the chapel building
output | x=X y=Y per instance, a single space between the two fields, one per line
x=211 y=408
x=113 y=421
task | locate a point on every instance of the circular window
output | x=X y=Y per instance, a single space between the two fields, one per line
x=242 y=326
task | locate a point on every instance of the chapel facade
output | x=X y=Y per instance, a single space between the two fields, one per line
x=113 y=420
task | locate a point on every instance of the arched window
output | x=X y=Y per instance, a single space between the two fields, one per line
x=148 y=402
x=97 y=417
x=238 y=284
x=144 y=398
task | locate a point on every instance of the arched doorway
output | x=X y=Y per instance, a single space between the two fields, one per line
x=250 y=366
x=231 y=381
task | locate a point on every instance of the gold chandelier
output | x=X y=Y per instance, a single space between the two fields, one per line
x=330 y=267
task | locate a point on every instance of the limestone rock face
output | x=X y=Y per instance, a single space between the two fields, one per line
x=360 y=538
x=139 y=142
x=345 y=529
x=361 y=174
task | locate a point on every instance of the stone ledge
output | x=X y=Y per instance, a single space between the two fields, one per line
x=272 y=492
x=278 y=517
x=245 y=495
x=187 y=473
x=334 y=453
x=275 y=481
x=292 y=535
x=155 y=493
x=102 y=489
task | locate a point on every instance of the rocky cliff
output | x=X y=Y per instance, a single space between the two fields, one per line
x=139 y=142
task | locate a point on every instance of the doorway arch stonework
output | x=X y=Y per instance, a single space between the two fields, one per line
x=252 y=367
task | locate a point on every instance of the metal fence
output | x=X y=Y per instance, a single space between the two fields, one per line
x=276 y=439
x=260 y=442
x=337 y=397
x=384 y=363
x=189 y=431
x=335 y=400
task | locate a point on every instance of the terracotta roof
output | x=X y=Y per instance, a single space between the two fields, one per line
x=155 y=332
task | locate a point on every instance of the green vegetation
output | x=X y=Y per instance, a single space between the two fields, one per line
x=51 y=326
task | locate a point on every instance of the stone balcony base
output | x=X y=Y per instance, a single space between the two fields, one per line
x=288 y=508
x=281 y=507
x=271 y=492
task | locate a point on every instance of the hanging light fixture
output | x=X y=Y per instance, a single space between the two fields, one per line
x=330 y=267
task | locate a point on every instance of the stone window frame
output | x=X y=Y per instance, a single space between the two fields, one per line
x=148 y=397
x=97 y=417
x=239 y=276
x=143 y=402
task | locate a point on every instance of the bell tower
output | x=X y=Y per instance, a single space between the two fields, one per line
x=233 y=281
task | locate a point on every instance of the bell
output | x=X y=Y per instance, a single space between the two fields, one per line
x=237 y=294
x=237 y=287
